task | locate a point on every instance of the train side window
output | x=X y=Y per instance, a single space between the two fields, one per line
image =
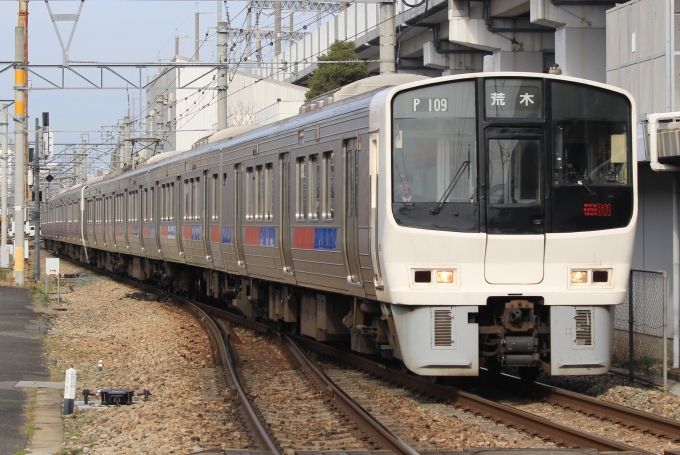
x=315 y=187
x=135 y=214
x=301 y=189
x=187 y=196
x=171 y=199
x=161 y=196
x=215 y=197
x=269 y=191
x=195 y=190
x=328 y=186
x=152 y=203
x=250 y=194
x=259 y=193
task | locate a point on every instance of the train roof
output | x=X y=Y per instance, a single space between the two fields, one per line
x=354 y=97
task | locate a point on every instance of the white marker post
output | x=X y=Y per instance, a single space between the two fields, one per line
x=52 y=266
x=69 y=391
x=100 y=365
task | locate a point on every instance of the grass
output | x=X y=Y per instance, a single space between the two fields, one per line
x=30 y=418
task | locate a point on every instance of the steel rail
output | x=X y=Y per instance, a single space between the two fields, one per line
x=221 y=341
x=558 y=433
x=351 y=408
x=373 y=427
x=654 y=423
x=221 y=337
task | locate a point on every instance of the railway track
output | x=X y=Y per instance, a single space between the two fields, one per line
x=652 y=423
x=382 y=436
x=546 y=429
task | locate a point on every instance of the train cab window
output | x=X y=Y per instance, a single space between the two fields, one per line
x=314 y=187
x=301 y=189
x=250 y=194
x=514 y=171
x=328 y=186
x=434 y=144
x=269 y=192
x=591 y=132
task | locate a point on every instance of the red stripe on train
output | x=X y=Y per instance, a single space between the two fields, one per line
x=304 y=238
x=215 y=234
x=252 y=236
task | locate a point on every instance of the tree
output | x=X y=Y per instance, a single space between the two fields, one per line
x=243 y=113
x=329 y=76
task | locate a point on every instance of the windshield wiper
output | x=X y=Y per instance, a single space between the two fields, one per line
x=452 y=185
x=581 y=180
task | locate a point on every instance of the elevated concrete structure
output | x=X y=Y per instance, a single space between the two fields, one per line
x=444 y=37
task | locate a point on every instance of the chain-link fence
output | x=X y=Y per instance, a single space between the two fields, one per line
x=640 y=349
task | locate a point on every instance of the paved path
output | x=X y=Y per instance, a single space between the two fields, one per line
x=21 y=359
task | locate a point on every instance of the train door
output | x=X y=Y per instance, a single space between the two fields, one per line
x=238 y=211
x=284 y=213
x=515 y=205
x=351 y=211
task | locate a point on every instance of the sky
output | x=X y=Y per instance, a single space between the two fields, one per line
x=107 y=31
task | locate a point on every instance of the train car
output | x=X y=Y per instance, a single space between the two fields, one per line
x=481 y=220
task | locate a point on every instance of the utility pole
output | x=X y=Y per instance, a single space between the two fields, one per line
x=158 y=120
x=277 y=28
x=387 y=39
x=82 y=170
x=197 y=41
x=222 y=107
x=23 y=22
x=36 y=199
x=20 y=135
x=4 y=124
x=127 y=153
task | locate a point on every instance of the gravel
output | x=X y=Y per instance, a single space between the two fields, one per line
x=619 y=390
x=143 y=345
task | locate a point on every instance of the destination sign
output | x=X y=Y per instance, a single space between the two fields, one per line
x=514 y=98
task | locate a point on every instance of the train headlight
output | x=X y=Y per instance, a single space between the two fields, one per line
x=579 y=276
x=444 y=276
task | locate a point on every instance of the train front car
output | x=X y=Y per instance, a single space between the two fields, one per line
x=510 y=216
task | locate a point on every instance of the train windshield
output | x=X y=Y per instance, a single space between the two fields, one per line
x=511 y=156
x=435 y=144
x=590 y=130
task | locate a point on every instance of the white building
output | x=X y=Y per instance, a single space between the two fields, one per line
x=182 y=104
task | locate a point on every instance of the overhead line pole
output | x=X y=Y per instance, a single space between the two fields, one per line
x=20 y=136
x=222 y=107
x=36 y=199
x=5 y=157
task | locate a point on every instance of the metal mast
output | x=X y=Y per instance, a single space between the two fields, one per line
x=5 y=157
x=20 y=137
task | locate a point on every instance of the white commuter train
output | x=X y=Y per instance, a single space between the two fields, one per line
x=452 y=223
